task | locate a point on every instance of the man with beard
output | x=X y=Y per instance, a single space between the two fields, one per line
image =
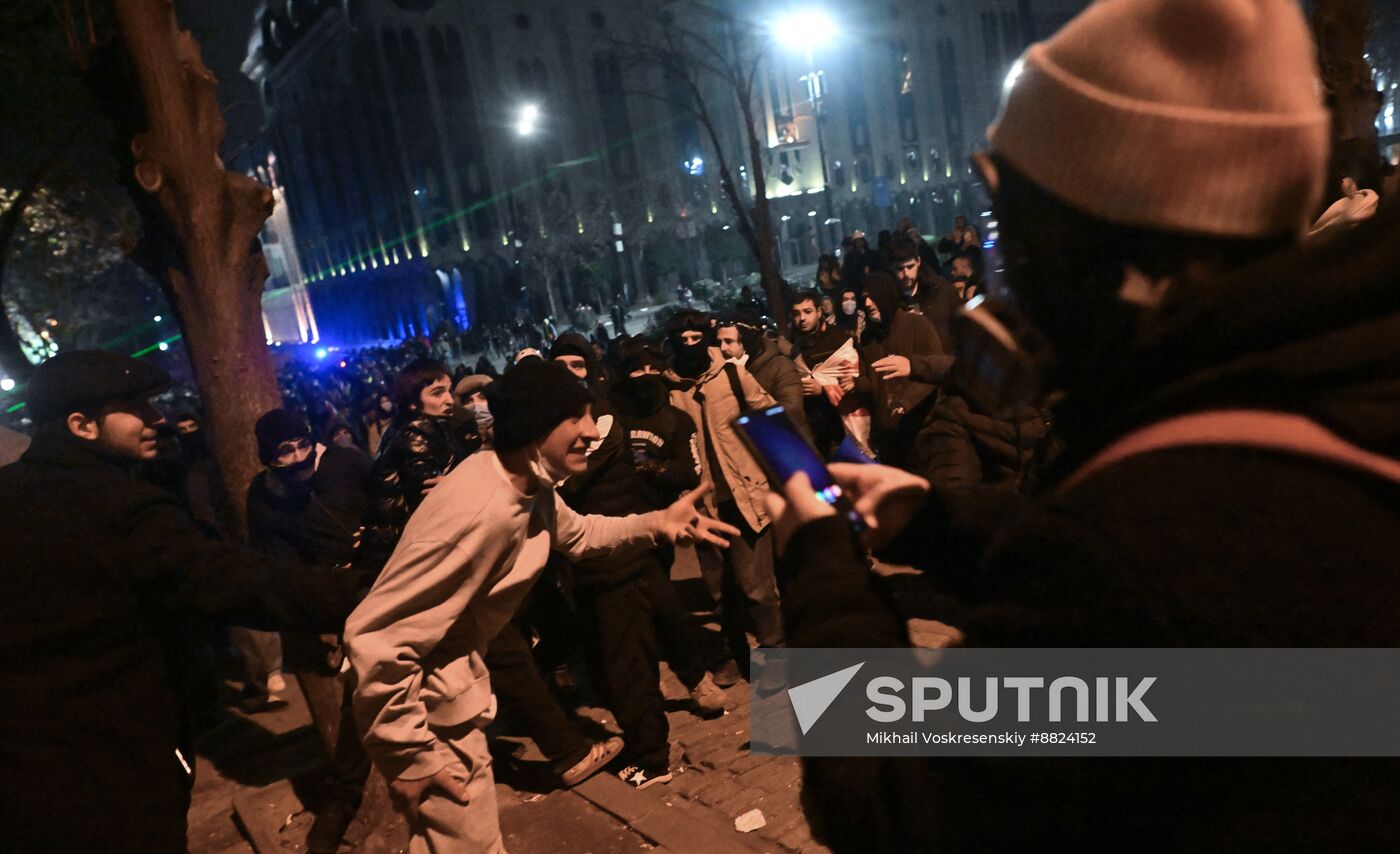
x=924 y=292
x=713 y=393
x=741 y=340
x=814 y=340
x=902 y=361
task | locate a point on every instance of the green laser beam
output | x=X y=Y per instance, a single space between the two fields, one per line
x=447 y=219
x=138 y=354
x=156 y=346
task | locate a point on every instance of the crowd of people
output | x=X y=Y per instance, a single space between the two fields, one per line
x=1169 y=425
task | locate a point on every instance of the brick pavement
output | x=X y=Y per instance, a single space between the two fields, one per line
x=716 y=781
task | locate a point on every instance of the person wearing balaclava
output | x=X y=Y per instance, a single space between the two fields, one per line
x=576 y=353
x=901 y=363
x=713 y=392
x=466 y=559
x=627 y=601
x=310 y=504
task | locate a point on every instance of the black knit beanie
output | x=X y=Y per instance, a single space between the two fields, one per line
x=275 y=427
x=571 y=344
x=532 y=398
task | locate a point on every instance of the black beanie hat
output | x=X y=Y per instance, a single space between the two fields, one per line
x=634 y=353
x=532 y=398
x=275 y=427
x=571 y=344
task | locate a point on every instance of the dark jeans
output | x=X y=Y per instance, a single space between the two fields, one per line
x=631 y=620
x=741 y=581
x=518 y=685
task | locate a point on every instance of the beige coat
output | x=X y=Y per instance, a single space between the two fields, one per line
x=714 y=422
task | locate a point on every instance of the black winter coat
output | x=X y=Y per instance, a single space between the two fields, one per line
x=937 y=301
x=316 y=526
x=959 y=445
x=1197 y=547
x=898 y=406
x=103 y=574
x=415 y=448
x=783 y=382
x=643 y=464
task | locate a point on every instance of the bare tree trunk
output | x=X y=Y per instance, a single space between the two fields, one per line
x=1341 y=28
x=216 y=215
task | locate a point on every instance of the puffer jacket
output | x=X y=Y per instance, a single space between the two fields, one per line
x=959 y=445
x=416 y=447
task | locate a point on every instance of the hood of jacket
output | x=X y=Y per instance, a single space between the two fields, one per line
x=1314 y=331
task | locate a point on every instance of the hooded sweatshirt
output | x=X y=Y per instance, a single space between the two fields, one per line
x=902 y=334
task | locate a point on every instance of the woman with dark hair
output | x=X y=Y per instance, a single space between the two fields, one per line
x=418 y=448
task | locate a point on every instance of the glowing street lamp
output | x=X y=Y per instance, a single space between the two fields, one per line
x=804 y=30
x=527 y=122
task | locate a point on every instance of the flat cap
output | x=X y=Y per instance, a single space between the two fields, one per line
x=83 y=380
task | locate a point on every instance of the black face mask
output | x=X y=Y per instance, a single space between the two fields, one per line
x=193 y=445
x=643 y=395
x=288 y=473
x=691 y=360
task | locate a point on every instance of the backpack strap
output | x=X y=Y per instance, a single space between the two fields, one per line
x=731 y=371
x=1264 y=430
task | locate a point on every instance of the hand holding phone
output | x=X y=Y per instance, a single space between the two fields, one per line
x=783 y=453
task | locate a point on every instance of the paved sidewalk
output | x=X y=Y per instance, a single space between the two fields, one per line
x=254 y=771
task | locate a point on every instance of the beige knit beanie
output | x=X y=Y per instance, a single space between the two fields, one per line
x=1201 y=116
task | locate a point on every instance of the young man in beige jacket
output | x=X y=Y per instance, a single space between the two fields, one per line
x=468 y=556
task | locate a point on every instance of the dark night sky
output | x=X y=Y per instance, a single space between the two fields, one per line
x=222 y=28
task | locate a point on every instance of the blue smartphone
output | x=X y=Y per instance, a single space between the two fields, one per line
x=783 y=452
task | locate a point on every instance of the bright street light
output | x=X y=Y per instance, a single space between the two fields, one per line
x=163 y=346
x=528 y=120
x=804 y=29
x=7 y=384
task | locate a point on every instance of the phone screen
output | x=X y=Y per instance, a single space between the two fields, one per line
x=783 y=452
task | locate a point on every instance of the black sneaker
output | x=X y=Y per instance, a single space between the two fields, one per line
x=640 y=778
x=728 y=674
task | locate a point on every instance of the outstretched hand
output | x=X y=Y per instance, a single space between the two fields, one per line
x=683 y=524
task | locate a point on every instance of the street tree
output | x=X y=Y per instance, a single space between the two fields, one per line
x=709 y=61
x=215 y=216
x=1341 y=29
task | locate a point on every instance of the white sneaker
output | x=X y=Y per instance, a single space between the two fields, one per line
x=599 y=754
x=639 y=778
